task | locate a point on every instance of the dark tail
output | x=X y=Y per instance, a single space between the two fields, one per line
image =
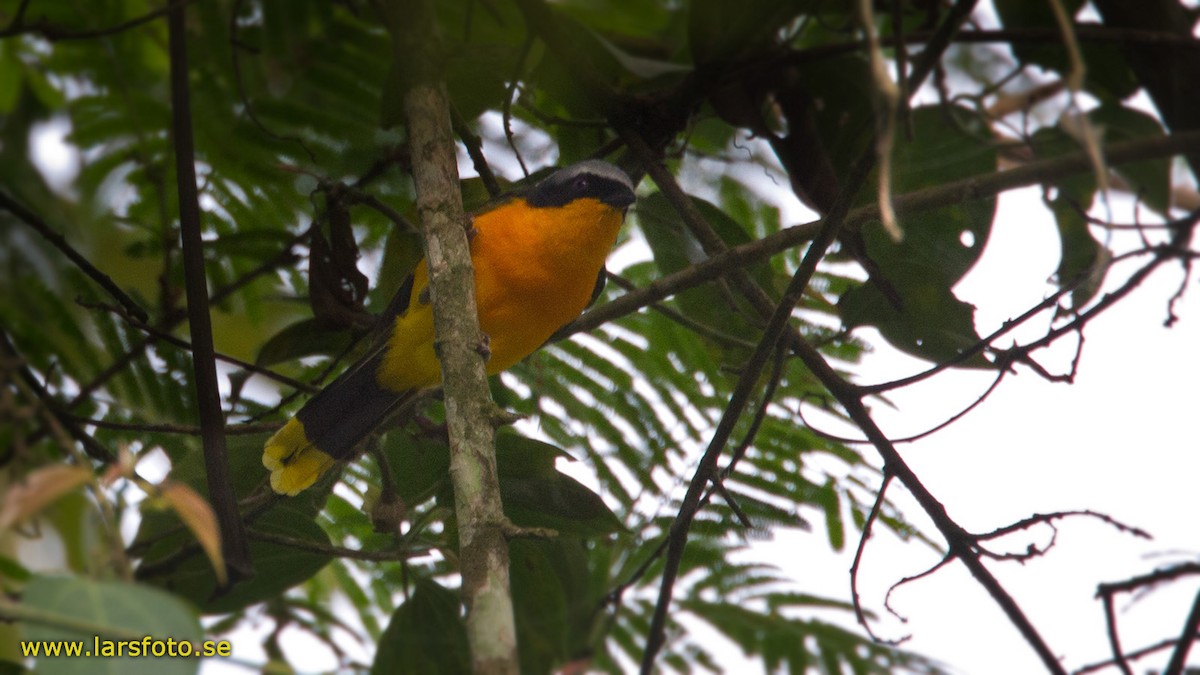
x=341 y=415
x=329 y=428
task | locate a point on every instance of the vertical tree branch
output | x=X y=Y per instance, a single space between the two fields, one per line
x=1179 y=657
x=483 y=547
x=208 y=394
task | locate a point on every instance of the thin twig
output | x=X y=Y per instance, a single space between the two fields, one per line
x=55 y=34
x=887 y=96
x=887 y=598
x=320 y=548
x=1040 y=518
x=1156 y=577
x=235 y=45
x=683 y=320
x=170 y=339
x=856 y=599
x=183 y=429
x=750 y=374
x=506 y=111
x=60 y=242
x=54 y=408
x=474 y=146
x=1008 y=36
x=760 y=415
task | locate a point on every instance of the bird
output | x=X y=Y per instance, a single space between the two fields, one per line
x=539 y=258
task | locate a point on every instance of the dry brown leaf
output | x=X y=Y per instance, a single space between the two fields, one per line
x=198 y=516
x=40 y=489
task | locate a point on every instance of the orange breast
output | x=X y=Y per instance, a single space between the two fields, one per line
x=535 y=270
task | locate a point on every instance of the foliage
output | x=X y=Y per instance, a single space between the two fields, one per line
x=302 y=163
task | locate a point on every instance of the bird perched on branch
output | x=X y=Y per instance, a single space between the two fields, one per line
x=539 y=262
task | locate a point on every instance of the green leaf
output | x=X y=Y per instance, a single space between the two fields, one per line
x=391 y=103
x=938 y=248
x=934 y=324
x=77 y=519
x=558 y=502
x=553 y=601
x=1107 y=75
x=835 y=527
x=1149 y=180
x=481 y=50
x=401 y=253
x=425 y=635
x=93 y=611
x=652 y=26
x=1082 y=254
x=476 y=77
x=950 y=143
x=560 y=83
x=13 y=571
x=420 y=464
x=11 y=76
x=1019 y=14
x=641 y=67
x=306 y=337
x=714 y=305
x=536 y=495
x=521 y=457
x=1053 y=141
x=725 y=31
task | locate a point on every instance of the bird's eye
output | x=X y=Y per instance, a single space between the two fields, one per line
x=581 y=184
